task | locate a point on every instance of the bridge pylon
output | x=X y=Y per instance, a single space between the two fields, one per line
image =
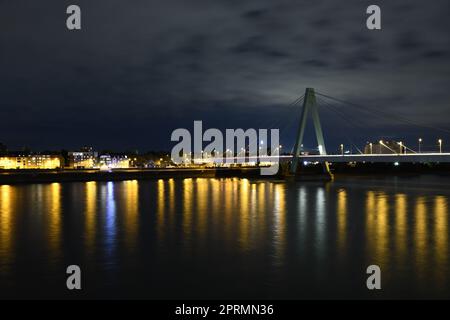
x=309 y=108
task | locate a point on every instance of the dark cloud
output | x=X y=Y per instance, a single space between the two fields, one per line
x=256 y=46
x=139 y=69
x=255 y=14
x=315 y=63
x=409 y=41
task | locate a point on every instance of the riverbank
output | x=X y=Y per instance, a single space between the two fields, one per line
x=313 y=173
x=49 y=176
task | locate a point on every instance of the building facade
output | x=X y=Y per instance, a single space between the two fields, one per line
x=82 y=159
x=30 y=162
x=114 y=161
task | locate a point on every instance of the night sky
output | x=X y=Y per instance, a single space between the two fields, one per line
x=139 y=69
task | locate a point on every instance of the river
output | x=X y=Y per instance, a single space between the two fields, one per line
x=227 y=238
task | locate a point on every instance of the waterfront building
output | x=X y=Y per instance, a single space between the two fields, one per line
x=113 y=161
x=84 y=159
x=35 y=161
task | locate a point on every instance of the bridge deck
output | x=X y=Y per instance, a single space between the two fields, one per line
x=413 y=157
x=401 y=158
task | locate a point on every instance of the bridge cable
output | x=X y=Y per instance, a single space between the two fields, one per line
x=344 y=118
x=380 y=112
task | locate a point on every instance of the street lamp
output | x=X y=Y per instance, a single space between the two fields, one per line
x=371 y=148
x=420 y=144
x=342 y=149
x=402 y=148
x=440 y=145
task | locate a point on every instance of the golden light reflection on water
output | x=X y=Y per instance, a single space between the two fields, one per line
x=217 y=201
x=131 y=212
x=202 y=201
x=398 y=228
x=280 y=222
x=377 y=227
x=254 y=232
x=53 y=207
x=188 y=190
x=261 y=206
x=244 y=217
x=160 y=208
x=171 y=183
x=410 y=226
x=244 y=213
x=228 y=208
x=341 y=219
x=7 y=204
x=441 y=238
x=420 y=235
x=91 y=214
x=401 y=228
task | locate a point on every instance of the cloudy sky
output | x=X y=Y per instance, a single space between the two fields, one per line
x=139 y=69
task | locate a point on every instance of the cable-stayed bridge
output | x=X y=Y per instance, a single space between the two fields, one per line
x=383 y=152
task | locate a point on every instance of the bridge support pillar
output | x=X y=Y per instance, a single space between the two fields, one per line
x=309 y=107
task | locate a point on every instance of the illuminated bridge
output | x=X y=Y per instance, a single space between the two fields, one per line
x=381 y=152
x=346 y=158
x=400 y=158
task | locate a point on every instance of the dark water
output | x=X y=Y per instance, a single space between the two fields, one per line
x=226 y=238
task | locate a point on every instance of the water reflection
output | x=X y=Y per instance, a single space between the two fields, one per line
x=401 y=227
x=341 y=219
x=303 y=214
x=131 y=195
x=90 y=215
x=172 y=202
x=244 y=215
x=202 y=211
x=160 y=208
x=7 y=206
x=109 y=223
x=188 y=190
x=420 y=236
x=269 y=227
x=441 y=239
x=320 y=223
x=54 y=225
x=228 y=210
x=279 y=227
x=377 y=228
